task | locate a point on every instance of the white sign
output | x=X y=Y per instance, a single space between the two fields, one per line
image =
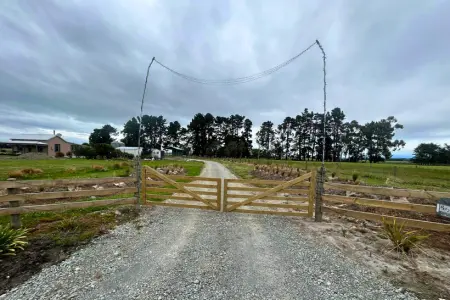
x=443 y=208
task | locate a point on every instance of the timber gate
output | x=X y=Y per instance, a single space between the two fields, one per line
x=291 y=198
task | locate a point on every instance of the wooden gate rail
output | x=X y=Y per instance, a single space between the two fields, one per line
x=61 y=182
x=211 y=199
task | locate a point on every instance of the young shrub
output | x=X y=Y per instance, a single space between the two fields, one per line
x=402 y=241
x=355 y=176
x=124 y=164
x=12 y=240
x=98 y=168
x=59 y=154
x=69 y=154
x=333 y=174
x=37 y=171
x=32 y=171
x=116 y=166
x=16 y=174
x=71 y=170
x=126 y=173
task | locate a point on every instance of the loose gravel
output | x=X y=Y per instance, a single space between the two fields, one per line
x=193 y=254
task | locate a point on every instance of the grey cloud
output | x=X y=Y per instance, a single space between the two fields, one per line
x=87 y=60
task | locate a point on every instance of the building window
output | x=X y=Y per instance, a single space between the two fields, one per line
x=57 y=148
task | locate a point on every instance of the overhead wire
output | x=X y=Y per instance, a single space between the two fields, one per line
x=238 y=80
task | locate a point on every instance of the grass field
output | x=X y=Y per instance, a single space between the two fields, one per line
x=401 y=175
x=83 y=168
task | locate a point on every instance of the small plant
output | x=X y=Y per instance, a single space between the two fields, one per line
x=124 y=164
x=16 y=174
x=59 y=154
x=126 y=173
x=98 y=168
x=333 y=174
x=32 y=171
x=68 y=225
x=355 y=176
x=71 y=170
x=12 y=240
x=403 y=241
x=69 y=153
x=116 y=166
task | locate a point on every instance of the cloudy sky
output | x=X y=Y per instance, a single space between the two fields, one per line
x=75 y=65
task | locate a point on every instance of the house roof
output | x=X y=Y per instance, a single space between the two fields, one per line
x=37 y=137
x=25 y=143
x=176 y=148
x=127 y=148
x=32 y=137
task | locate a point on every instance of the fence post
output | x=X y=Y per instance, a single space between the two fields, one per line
x=138 y=182
x=312 y=192
x=15 y=218
x=219 y=194
x=225 y=192
x=144 y=185
x=320 y=179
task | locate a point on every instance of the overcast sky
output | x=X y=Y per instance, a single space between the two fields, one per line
x=75 y=65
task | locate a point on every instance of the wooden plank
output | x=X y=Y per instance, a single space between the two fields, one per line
x=257 y=189
x=169 y=190
x=429 y=209
x=272 y=190
x=58 y=182
x=200 y=185
x=65 y=206
x=67 y=194
x=151 y=183
x=174 y=197
x=179 y=205
x=180 y=187
x=312 y=192
x=237 y=196
x=276 y=205
x=264 y=181
x=375 y=217
x=387 y=191
x=270 y=212
x=193 y=178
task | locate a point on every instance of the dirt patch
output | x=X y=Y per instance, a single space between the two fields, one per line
x=425 y=273
x=51 y=242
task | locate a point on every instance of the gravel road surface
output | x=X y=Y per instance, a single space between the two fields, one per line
x=197 y=254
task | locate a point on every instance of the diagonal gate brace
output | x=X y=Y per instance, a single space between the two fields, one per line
x=270 y=191
x=180 y=187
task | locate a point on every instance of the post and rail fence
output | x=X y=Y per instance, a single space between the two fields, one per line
x=305 y=196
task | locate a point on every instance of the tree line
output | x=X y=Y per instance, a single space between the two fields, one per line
x=298 y=137
x=432 y=154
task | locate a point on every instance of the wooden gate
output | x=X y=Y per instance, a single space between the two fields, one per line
x=291 y=198
x=180 y=191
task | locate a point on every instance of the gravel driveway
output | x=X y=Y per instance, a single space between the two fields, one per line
x=197 y=254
